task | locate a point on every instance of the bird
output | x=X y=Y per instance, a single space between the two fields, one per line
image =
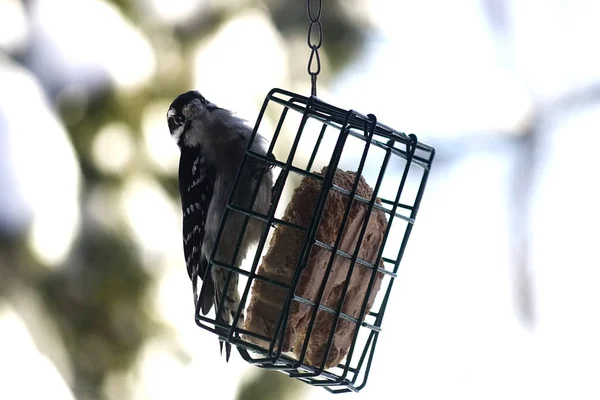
x=212 y=142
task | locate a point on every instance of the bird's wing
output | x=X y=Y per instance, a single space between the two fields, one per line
x=258 y=169
x=196 y=184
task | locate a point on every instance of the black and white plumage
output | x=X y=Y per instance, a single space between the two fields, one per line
x=212 y=142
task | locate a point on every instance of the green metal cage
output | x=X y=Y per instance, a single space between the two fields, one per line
x=345 y=135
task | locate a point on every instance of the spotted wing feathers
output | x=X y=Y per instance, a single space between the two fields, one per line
x=196 y=184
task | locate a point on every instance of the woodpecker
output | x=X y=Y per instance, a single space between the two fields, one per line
x=212 y=141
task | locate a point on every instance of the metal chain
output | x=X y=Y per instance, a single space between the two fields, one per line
x=314 y=61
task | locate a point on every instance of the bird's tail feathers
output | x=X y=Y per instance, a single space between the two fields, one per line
x=230 y=305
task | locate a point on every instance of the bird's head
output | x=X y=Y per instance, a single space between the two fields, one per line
x=187 y=115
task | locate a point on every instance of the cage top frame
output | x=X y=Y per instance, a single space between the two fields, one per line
x=355 y=124
x=354 y=120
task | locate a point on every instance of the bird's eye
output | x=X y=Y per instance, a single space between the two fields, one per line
x=175 y=121
x=203 y=100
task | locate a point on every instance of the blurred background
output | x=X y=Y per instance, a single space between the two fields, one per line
x=498 y=293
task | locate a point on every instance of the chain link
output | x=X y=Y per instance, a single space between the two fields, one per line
x=315 y=40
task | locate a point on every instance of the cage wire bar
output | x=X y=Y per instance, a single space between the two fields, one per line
x=351 y=374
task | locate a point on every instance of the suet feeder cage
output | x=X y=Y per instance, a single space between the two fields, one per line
x=314 y=293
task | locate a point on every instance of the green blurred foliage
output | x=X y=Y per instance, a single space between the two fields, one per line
x=269 y=385
x=98 y=305
x=97 y=299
